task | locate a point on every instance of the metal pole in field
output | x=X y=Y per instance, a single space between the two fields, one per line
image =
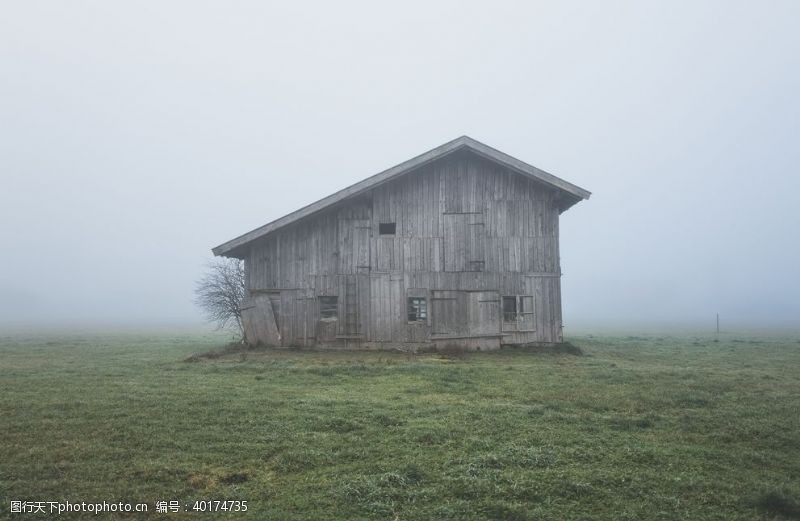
x=717 y=323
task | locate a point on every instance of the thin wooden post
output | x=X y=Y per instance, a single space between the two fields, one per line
x=305 y=322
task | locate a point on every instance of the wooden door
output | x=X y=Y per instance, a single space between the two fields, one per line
x=386 y=307
x=484 y=313
x=353 y=247
x=448 y=313
x=463 y=235
x=258 y=320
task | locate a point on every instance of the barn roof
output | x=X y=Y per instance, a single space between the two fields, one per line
x=571 y=193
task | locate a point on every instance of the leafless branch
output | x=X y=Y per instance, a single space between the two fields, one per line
x=220 y=291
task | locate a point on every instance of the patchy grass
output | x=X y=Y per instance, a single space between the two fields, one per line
x=564 y=348
x=780 y=503
x=639 y=427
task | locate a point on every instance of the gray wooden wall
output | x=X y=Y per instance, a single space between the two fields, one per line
x=467 y=232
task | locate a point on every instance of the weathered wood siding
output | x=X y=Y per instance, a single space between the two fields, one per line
x=468 y=232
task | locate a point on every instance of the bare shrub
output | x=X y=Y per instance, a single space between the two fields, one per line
x=220 y=292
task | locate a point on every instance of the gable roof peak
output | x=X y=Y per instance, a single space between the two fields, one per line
x=572 y=192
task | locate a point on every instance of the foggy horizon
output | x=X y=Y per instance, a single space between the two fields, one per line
x=134 y=139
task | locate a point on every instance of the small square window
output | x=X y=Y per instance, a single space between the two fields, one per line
x=387 y=228
x=329 y=307
x=417 y=309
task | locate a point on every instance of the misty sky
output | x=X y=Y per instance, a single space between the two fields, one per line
x=135 y=136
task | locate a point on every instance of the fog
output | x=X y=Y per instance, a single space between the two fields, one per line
x=136 y=136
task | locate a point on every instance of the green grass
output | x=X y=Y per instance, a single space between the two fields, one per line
x=640 y=428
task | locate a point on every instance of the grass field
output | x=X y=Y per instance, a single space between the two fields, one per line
x=645 y=427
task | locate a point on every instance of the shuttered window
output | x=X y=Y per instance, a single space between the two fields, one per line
x=329 y=307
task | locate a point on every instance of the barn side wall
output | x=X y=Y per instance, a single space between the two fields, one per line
x=468 y=232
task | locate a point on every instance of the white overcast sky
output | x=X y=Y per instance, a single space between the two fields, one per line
x=134 y=136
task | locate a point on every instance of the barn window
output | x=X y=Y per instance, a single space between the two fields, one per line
x=329 y=307
x=417 y=309
x=387 y=228
x=476 y=265
x=518 y=309
x=509 y=309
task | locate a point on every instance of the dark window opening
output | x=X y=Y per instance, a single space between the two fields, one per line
x=509 y=309
x=329 y=307
x=417 y=309
x=477 y=265
x=387 y=228
x=519 y=309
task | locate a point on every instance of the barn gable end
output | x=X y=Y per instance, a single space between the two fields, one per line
x=457 y=248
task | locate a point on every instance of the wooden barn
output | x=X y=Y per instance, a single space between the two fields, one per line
x=457 y=246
